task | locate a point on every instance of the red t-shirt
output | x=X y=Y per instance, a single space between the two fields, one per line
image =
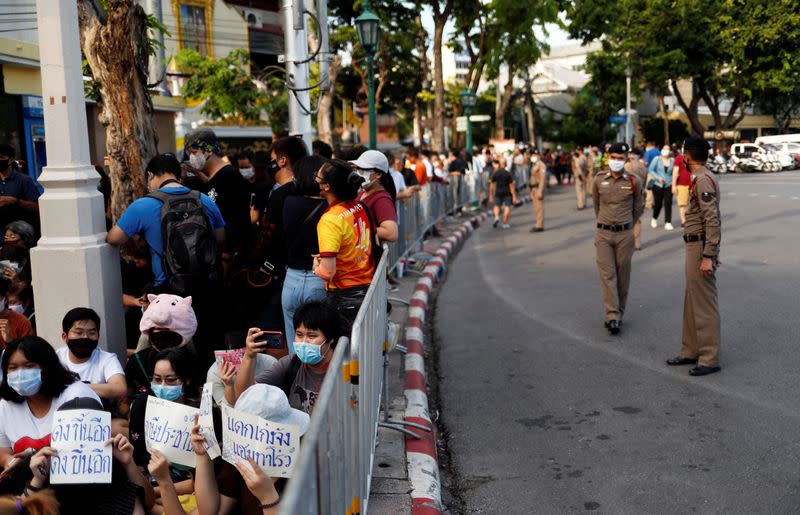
x=684 y=175
x=380 y=206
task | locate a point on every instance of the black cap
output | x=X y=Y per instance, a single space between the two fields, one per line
x=619 y=148
x=696 y=144
x=81 y=403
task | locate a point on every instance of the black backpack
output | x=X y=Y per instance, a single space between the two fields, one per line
x=190 y=247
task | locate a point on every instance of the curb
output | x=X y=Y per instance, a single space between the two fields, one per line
x=421 y=456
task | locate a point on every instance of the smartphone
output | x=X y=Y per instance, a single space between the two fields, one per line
x=270 y=340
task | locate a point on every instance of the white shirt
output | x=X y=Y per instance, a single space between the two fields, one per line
x=399 y=181
x=100 y=367
x=428 y=167
x=17 y=420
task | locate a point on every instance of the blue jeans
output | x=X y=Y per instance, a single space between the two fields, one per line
x=299 y=287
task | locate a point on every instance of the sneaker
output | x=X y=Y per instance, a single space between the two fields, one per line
x=506 y=226
x=653 y=223
x=496 y=223
x=668 y=226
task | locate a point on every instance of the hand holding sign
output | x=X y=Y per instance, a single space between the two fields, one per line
x=79 y=438
x=272 y=447
x=206 y=422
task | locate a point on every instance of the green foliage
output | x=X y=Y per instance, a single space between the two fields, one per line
x=223 y=84
x=653 y=129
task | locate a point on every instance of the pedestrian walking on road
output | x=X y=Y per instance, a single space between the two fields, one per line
x=661 y=170
x=635 y=167
x=681 y=180
x=538 y=181
x=618 y=203
x=580 y=169
x=702 y=233
x=502 y=192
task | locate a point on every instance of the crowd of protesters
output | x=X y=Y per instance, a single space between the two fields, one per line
x=224 y=252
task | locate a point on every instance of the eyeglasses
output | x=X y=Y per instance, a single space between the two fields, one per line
x=319 y=180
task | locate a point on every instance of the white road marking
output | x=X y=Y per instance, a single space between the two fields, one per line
x=732 y=193
x=794 y=198
x=752 y=194
x=773 y=196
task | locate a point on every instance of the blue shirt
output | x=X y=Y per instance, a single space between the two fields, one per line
x=143 y=217
x=661 y=170
x=650 y=155
x=21 y=187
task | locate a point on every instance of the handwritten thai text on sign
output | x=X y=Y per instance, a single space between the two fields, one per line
x=168 y=429
x=79 y=437
x=206 y=422
x=272 y=446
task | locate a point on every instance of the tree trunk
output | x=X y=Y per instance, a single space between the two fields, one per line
x=690 y=109
x=324 y=125
x=663 y=111
x=438 y=88
x=502 y=107
x=115 y=45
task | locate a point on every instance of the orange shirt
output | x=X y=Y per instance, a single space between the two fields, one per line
x=421 y=172
x=344 y=233
x=18 y=326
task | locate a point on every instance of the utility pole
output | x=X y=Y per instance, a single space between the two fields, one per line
x=158 y=68
x=72 y=264
x=297 y=72
x=628 y=106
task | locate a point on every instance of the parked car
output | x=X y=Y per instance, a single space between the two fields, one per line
x=749 y=157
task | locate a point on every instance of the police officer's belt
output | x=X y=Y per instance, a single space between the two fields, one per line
x=688 y=238
x=614 y=228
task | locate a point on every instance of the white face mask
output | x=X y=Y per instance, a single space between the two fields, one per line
x=17 y=308
x=665 y=153
x=247 y=173
x=616 y=164
x=197 y=161
x=534 y=159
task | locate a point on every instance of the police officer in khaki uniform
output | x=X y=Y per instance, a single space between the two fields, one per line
x=579 y=171
x=635 y=166
x=538 y=182
x=618 y=204
x=702 y=233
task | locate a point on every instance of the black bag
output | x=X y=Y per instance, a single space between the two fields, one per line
x=190 y=247
x=376 y=253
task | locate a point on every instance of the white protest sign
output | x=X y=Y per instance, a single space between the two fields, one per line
x=206 y=421
x=79 y=436
x=272 y=446
x=168 y=429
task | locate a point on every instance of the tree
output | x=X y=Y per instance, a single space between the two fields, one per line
x=115 y=43
x=224 y=84
x=441 y=13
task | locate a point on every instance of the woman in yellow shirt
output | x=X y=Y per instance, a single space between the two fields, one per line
x=345 y=235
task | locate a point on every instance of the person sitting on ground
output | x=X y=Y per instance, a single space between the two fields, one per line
x=172 y=380
x=20 y=300
x=15 y=266
x=346 y=261
x=19 y=196
x=99 y=369
x=19 y=234
x=318 y=329
x=378 y=193
x=137 y=280
x=129 y=491
x=169 y=321
x=223 y=376
x=34 y=385
x=244 y=485
x=13 y=325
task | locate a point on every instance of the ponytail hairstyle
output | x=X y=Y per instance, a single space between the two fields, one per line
x=388 y=184
x=342 y=179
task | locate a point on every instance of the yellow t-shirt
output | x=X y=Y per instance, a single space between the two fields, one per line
x=344 y=233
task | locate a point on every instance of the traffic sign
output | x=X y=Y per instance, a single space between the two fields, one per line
x=618 y=119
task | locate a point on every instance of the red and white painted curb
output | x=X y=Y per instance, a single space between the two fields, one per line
x=421 y=456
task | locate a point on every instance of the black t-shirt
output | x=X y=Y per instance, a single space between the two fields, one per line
x=409 y=177
x=272 y=245
x=231 y=193
x=457 y=166
x=301 y=235
x=261 y=197
x=502 y=180
x=136 y=280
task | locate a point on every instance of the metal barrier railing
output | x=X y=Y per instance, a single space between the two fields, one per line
x=333 y=473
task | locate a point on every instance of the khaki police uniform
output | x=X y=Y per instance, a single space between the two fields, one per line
x=637 y=168
x=538 y=181
x=702 y=234
x=618 y=204
x=579 y=169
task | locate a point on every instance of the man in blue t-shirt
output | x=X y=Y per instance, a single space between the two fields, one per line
x=143 y=216
x=650 y=153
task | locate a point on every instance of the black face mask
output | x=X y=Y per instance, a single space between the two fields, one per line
x=165 y=339
x=4 y=163
x=273 y=167
x=82 y=348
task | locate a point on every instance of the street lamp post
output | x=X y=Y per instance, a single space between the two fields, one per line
x=369 y=32
x=628 y=105
x=468 y=101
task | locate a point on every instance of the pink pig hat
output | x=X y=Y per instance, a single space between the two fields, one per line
x=170 y=312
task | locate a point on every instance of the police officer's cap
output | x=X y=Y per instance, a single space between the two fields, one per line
x=696 y=144
x=619 y=148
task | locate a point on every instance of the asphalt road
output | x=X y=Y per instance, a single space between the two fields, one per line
x=544 y=412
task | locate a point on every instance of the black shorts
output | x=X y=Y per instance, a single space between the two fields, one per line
x=503 y=200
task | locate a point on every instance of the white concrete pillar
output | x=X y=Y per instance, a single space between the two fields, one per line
x=72 y=264
x=296 y=51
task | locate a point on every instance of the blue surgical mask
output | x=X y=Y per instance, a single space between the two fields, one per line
x=26 y=381
x=308 y=353
x=167 y=392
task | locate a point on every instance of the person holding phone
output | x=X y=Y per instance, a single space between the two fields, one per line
x=318 y=328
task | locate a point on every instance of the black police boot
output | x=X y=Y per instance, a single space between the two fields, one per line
x=613 y=327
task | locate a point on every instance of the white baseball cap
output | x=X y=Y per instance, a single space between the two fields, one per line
x=269 y=402
x=372 y=160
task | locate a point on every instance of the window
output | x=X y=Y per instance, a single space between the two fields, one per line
x=193 y=28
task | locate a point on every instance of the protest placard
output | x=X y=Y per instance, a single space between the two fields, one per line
x=206 y=422
x=79 y=437
x=168 y=429
x=233 y=357
x=272 y=446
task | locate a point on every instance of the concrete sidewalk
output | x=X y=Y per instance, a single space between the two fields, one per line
x=391 y=486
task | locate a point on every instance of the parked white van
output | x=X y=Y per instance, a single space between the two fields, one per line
x=787 y=146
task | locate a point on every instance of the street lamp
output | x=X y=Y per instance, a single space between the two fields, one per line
x=628 y=105
x=468 y=101
x=369 y=33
